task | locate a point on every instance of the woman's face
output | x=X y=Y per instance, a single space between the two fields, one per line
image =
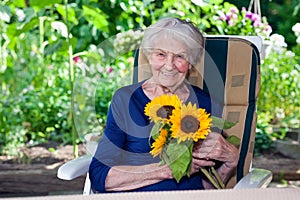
x=168 y=60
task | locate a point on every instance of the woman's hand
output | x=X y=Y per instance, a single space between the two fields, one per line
x=215 y=148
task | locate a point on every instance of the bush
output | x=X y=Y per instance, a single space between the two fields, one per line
x=280 y=82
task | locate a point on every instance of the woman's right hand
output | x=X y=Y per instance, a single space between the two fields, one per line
x=165 y=172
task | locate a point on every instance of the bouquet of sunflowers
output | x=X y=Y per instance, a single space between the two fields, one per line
x=176 y=127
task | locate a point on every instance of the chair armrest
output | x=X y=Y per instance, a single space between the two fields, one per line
x=256 y=178
x=74 y=168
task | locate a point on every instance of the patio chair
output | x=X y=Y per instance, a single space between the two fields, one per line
x=231 y=66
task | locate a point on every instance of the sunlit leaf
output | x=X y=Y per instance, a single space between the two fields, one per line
x=43 y=3
x=34 y=22
x=61 y=9
x=221 y=123
x=96 y=17
x=155 y=130
x=236 y=141
x=19 y=3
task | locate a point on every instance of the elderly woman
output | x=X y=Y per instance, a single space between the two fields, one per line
x=122 y=161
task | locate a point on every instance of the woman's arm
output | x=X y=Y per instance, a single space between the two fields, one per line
x=122 y=178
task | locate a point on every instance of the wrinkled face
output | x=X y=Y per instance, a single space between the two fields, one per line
x=168 y=60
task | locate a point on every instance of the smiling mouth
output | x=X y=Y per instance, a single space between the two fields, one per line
x=168 y=73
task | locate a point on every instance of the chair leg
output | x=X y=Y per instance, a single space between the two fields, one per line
x=87 y=190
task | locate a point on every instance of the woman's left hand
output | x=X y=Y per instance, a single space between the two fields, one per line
x=216 y=148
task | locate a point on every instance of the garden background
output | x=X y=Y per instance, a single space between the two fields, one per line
x=51 y=51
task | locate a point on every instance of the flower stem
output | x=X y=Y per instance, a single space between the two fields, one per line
x=210 y=178
x=215 y=173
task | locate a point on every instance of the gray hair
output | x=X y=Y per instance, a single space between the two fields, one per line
x=179 y=30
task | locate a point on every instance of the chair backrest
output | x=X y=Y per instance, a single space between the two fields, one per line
x=230 y=70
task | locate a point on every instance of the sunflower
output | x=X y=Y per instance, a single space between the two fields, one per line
x=159 y=143
x=190 y=123
x=161 y=107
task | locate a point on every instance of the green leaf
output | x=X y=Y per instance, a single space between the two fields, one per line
x=96 y=17
x=54 y=47
x=221 y=123
x=228 y=6
x=19 y=3
x=180 y=158
x=28 y=26
x=61 y=9
x=234 y=140
x=52 y=150
x=43 y=4
x=155 y=130
x=216 y=2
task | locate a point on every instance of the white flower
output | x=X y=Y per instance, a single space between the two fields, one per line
x=284 y=75
x=268 y=30
x=269 y=129
x=21 y=15
x=3 y=68
x=199 y=2
x=290 y=54
x=60 y=27
x=280 y=113
x=296 y=29
x=298 y=40
x=127 y=41
x=4 y=16
x=234 y=10
x=93 y=48
x=277 y=40
x=294 y=72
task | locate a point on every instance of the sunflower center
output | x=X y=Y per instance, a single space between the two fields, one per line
x=189 y=124
x=165 y=112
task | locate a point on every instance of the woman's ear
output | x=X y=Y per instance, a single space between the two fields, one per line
x=143 y=58
x=190 y=66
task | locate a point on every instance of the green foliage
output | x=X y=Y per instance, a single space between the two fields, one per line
x=277 y=12
x=34 y=102
x=279 y=98
x=263 y=138
x=280 y=82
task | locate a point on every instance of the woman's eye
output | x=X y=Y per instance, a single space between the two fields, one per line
x=161 y=54
x=180 y=56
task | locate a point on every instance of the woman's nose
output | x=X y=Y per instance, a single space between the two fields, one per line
x=170 y=62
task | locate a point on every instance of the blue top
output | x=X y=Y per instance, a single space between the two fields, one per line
x=126 y=138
